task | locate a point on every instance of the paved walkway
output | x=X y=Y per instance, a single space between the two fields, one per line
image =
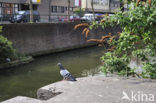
x=98 y=89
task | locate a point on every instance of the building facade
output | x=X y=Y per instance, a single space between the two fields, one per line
x=55 y=9
x=9 y=7
x=114 y=5
x=100 y=6
x=60 y=7
x=46 y=8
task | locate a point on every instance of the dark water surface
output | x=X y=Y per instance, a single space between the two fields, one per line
x=26 y=79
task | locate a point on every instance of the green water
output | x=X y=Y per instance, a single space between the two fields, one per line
x=26 y=79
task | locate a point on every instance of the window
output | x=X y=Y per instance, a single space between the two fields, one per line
x=54 y=9
x=15 y=5
x=7 y=10
x=62 y=9
x=115 y=5
x=59 y=9
x=16 y=8
x=66 y=8
x=71 y=8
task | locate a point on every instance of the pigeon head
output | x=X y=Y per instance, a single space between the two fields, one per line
x=61 y=66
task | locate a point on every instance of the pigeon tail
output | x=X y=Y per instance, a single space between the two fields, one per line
x=69 y=77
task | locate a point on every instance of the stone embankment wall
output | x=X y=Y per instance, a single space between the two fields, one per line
x=43 y=38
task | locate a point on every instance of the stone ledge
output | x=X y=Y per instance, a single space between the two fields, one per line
x=22 y=99
x=16 y=63
x=97 y=89
x=54 y=89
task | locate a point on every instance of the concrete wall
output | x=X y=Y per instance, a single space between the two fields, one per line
x=40 y=38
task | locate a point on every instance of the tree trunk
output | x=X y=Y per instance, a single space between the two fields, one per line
x=68 y=13
x=122 y=6
x=110 y=5
x=80 y=9
x=31 y=11
x=92 y=5
x=49 y=10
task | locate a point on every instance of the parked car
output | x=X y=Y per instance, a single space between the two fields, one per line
x=63 y=19
x=24 y=16
x=75 y=18
x=87 y=17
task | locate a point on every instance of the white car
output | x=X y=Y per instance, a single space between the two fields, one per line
x=87 y=17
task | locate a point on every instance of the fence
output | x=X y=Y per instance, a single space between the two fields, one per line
x=54 y=18
x=38 y=18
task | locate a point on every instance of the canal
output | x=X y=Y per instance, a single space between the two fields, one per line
x=26 y=79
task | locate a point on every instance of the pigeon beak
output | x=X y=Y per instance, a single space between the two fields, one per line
x=59 y=65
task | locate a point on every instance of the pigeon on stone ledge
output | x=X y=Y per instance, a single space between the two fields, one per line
x=65 y=73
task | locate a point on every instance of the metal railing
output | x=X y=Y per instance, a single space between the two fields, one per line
x=54 y=18
x=42 y=19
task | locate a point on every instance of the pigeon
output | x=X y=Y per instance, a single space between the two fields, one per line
x=65 y=73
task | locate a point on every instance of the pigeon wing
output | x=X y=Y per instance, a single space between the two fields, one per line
x=66 y=75
x=64 y=72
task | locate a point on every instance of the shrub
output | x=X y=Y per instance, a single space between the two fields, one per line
x=138 y=38
x=150 y=70
x=114 y=64
x=7 y=52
